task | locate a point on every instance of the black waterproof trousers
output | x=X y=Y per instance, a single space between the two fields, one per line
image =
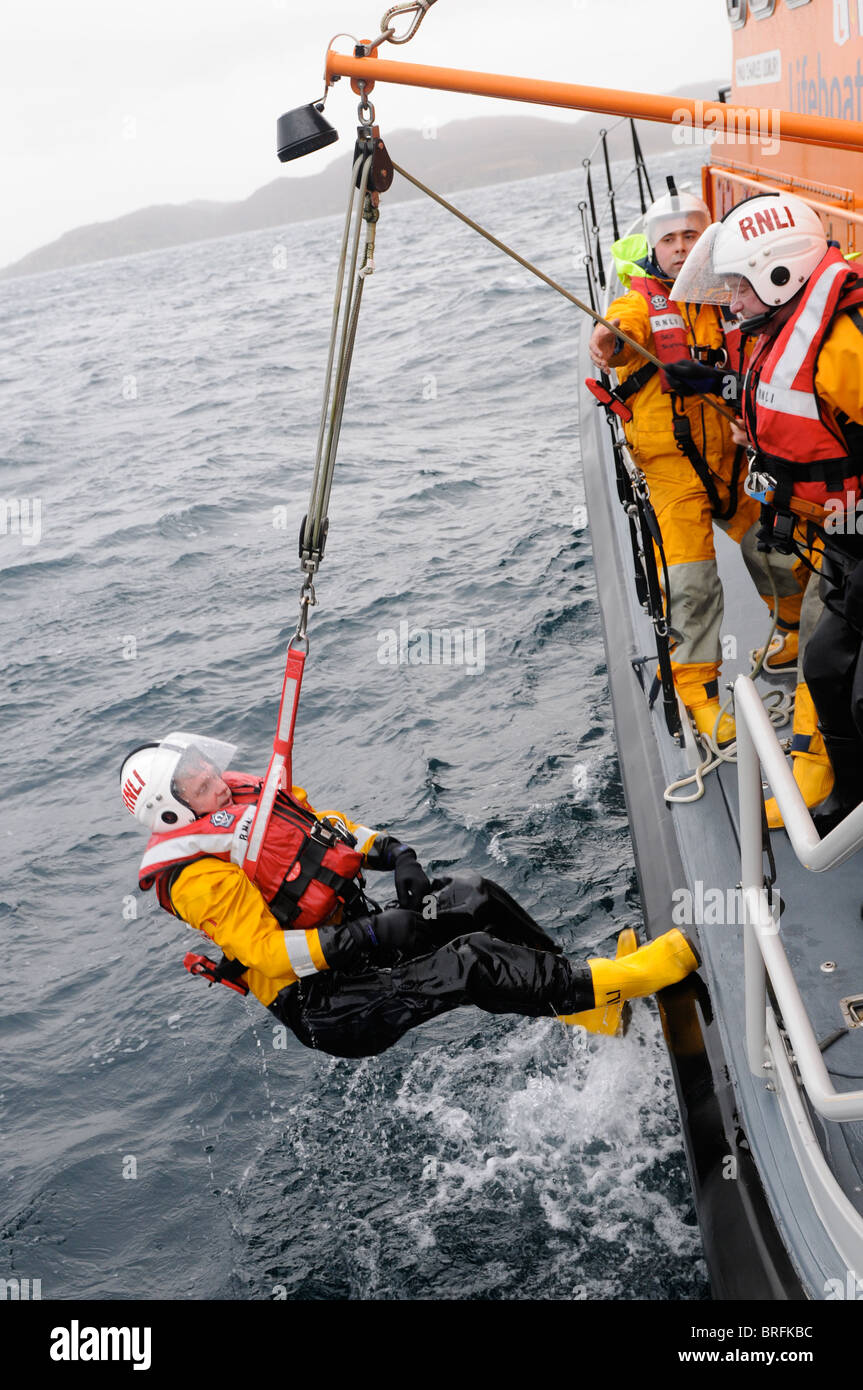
x=436 y=965
x=833 y=661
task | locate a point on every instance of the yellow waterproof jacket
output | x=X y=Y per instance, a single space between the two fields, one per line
x=839 y=369
x=649 y=432
x=218 y=899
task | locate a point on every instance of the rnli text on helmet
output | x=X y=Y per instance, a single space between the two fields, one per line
x=766 y=220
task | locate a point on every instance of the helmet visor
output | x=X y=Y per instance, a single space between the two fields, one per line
x=193 y=755
x=698 y=282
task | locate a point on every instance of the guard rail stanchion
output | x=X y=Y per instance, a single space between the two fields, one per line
x=757 y=744
x=751 y=879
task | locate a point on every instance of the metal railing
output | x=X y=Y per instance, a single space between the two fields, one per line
x=764 y=954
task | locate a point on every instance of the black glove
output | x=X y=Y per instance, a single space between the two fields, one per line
x=689 y=377
x=412 y=885
x=348 y=946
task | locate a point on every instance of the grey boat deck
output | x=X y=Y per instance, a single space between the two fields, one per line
x=678 y=846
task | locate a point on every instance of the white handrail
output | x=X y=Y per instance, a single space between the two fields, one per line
x=764 y=954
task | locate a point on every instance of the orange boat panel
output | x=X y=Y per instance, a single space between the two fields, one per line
x=806 y=59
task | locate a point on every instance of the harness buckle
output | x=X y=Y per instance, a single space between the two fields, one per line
x=783 y=531
x=777 y=529
x=681 y=425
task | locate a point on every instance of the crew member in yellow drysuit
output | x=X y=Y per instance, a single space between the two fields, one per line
x=347 y=979
x=679 y=495
x=770 y=260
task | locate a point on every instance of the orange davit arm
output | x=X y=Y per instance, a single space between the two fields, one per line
x=786 y=125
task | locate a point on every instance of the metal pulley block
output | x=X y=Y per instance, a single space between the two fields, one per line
x=369 y=142
x=310 y=555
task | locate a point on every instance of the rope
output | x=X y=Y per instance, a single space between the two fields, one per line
x=598 y=141
x=716 y=756
x=314 y=530
x=541 y=275
x=708 y=764
x=778 y=715
x=419 y=9
x=335 y=387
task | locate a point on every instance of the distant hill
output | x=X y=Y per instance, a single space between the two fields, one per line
x=463 y=154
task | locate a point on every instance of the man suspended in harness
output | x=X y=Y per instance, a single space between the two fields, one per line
x=692 y=465
x=769 y=259
x=348 y=978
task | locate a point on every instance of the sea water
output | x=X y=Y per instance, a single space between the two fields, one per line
x=158 y=421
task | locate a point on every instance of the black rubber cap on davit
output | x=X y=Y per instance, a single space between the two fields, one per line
x=302 y=132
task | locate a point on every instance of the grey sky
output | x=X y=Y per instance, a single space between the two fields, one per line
x=111 y=105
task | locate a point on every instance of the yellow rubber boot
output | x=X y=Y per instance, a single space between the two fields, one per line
x=705 y=717
x=665 y=961
x=611 y=1019
x=812 y=770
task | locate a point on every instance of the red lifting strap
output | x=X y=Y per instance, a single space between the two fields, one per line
x=279 y=773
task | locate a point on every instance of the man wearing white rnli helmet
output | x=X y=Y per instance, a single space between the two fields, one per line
x=769 y=259
x=297 y=932
x=692 y=464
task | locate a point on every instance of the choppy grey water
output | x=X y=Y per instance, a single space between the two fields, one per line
x=162 y=412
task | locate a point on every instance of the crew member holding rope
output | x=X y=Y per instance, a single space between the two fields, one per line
x=691 y=462
x=769 y=259
x=348 y=978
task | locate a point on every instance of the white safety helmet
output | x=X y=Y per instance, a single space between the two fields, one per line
x=675 y=212
x=774 y=241
x=149 y=777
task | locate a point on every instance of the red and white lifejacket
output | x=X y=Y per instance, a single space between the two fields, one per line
x=666 y=323
x=783 y=411
x=306 y=868
x=668 y=327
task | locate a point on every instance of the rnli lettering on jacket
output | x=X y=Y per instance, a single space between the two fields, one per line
x=789 y=426
x=669 y=328
x=305 y=870
x=666 y=323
